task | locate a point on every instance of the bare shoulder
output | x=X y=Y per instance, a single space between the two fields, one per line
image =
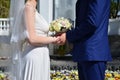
x=29 y=6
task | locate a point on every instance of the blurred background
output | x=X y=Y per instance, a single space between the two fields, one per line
x=60 y=57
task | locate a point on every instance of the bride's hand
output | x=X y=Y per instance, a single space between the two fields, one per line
x=56 y=40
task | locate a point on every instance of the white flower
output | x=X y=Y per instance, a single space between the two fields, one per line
x=60 y=25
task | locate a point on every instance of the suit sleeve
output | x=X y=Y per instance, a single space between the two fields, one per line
x=95 y=13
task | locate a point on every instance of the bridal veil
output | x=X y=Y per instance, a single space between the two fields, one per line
x=17 y=36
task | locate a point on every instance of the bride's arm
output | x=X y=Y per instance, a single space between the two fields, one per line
x=30 y=25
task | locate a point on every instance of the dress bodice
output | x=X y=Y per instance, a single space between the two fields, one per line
x=41 y=26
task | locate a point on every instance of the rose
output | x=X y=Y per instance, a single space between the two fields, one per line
x=60 y=25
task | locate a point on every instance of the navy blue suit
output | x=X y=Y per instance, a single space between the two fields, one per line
x=90 y=35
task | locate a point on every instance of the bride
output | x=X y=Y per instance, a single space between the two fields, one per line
x=30 y=34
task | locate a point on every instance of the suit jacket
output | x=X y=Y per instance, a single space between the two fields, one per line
x=90 y=35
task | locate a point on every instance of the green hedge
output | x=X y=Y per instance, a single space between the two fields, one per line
x=4 y=8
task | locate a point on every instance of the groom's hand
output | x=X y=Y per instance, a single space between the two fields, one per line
x=62 y=39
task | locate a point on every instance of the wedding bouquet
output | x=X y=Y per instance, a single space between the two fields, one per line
x=60 y=25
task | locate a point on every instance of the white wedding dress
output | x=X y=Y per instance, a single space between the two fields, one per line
x=36 y=59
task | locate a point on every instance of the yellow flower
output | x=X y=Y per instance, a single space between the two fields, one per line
x=60 y=23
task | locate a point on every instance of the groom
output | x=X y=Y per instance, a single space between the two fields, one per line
x=90 y=38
